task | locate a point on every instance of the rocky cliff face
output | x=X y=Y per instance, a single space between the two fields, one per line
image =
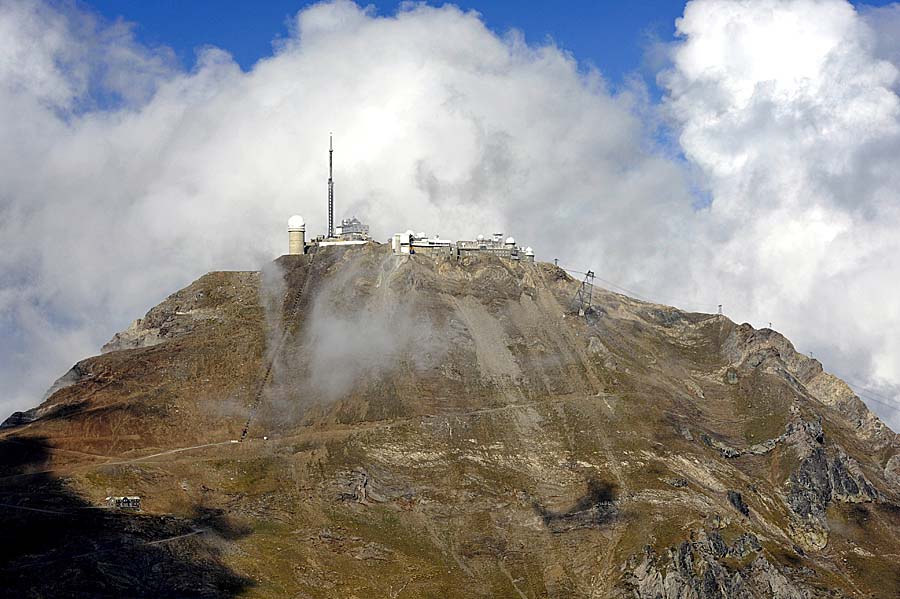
x=353 y=423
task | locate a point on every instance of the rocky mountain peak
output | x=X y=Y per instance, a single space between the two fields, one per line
x=354 y=423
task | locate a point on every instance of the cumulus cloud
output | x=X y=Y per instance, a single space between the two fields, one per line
x=123 y=177
x=439 y=125
x=885 y=22
x=789 y=111
x=394 y=325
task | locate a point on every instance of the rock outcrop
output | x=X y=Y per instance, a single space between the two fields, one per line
x=356 y=424
x=770 y=350
x=822 y=478
x=706 y=567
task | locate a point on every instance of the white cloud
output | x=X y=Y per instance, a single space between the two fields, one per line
x=439 y=124
x=792 y=117
x=122 y=177
x=885 y=21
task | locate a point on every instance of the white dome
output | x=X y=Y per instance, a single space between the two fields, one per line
x=510 y=241
x=529 y=251
x=296 y=222
x=480 y=238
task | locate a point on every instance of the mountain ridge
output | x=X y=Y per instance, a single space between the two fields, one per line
x=429 y=427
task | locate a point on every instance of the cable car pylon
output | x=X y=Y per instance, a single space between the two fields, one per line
x=582 y=299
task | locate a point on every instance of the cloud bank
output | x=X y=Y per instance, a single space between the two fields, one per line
x=123 y=177
x=789 y=112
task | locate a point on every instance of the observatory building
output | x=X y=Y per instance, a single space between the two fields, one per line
x=351 y=228
x=296 y=235
x=352 y=231
x=411 y=243
x=496 y=245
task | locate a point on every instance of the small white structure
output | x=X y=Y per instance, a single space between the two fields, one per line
x=401 y=243
x=124 y=503
x=296 y=235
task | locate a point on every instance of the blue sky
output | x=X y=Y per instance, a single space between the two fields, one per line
x=609 y=35
x=613 y=36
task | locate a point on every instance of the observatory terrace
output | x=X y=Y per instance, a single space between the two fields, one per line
x=426 y=426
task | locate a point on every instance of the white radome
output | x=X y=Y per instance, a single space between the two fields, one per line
x=480 y=238
x=296 y=222
x=529 y=251
x=510 y=241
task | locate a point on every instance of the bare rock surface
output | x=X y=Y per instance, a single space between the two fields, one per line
x=355 y=424
x=706 y=567
x=892 y=471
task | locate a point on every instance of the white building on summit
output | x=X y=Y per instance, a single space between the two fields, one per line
x=410 y=243
x=296 y=235
x=352 y=231
x=352 y=228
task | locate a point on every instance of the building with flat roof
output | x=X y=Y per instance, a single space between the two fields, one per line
x=496 y=245
x=351 y=229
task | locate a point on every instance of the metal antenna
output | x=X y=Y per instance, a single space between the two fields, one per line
x=330 y=188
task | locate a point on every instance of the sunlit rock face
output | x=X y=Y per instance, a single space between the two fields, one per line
x=351 y=422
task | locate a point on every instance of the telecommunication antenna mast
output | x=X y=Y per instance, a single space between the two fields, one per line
x=330 y=188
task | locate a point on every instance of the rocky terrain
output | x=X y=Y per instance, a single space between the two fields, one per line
x=355 y=424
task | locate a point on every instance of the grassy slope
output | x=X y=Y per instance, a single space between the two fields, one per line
x=487 y=432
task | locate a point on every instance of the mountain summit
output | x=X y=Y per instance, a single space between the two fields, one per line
x=351 y=423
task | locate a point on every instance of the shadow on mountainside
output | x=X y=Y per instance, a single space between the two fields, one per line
x=595 y=508
x=55 y=544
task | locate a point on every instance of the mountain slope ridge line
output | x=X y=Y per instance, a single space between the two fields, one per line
x=468 y=426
